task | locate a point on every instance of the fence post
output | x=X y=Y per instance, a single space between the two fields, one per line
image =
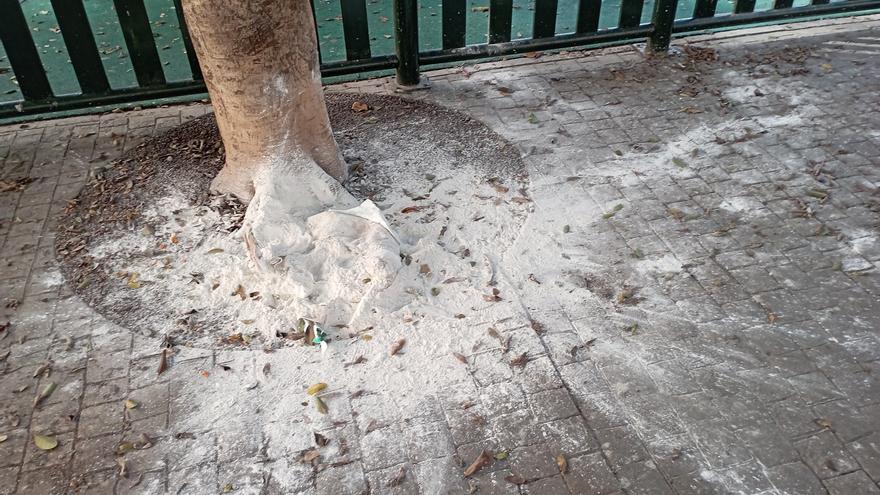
x=406 y=39
x=662 y=20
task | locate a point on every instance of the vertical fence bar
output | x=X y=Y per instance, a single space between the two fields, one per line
x=705 y=8
x=545 y=19
x=187 y=43
x=663 y=19
x=140 y=43
x=355 y=29
x=22 y=54
x=631 y=13
x=81 y=46
x=500 y=19
x=744 y=6
x=406 y=39
x=317 y=34
x=588 y=16
x=454 y=23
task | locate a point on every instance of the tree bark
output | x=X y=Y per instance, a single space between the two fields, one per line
x=260 y=63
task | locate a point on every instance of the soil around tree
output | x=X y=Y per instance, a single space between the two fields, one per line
x=123 y=216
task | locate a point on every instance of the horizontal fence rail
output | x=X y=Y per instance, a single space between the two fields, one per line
x=33 y=91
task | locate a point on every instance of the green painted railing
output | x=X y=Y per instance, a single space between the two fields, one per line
x=35 y=93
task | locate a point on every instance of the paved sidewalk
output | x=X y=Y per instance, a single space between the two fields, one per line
x=751 y=368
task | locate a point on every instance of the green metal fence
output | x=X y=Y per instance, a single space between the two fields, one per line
x=554 y=24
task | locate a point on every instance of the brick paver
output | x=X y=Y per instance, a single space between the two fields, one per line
x=750 y=370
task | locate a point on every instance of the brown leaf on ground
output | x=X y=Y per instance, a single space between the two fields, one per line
x=515 y=479
x=321 y=440
x=413 y=209
x=240 y=292
x=163 y=362
x=309 y=456
x=562 y=462
x=494 y=297
x=483 y=460
x=397 y=346
x=520 y=360
x=460 y=357
x=47 y=391
x=360 y=106
x=320 y=405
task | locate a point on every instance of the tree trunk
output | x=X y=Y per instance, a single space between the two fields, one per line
x=260 y=63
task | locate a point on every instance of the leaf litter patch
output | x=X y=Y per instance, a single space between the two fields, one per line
x=148 y=247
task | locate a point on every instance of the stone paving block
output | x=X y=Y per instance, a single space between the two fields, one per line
x=12 y=450
x=100 y=420
x=643 y=478
x=343 y=480
x=8 y=480
x=552 y=405
x=388 y=480
x=58 y=457
x=441 y=476
x=141 y=483
x=427 y=440
x=856 y=482
x=554 y=484
x=193 y=479
x=50 y=481
x=867 y=451
x=533 y=462
x=94 y=454
x=825 y=455
x=383 y=447
x=590 y=474
x=516 y=429
x=721 y=446
x=795 y=479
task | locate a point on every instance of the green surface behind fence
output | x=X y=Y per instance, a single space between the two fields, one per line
x=163 y=18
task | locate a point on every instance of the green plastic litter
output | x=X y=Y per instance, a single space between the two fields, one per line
x=320 y=335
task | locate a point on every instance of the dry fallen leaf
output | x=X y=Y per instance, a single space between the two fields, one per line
x=515 y=479
x=309 y=456
x=520 y=360
x=824 y=423
x=314 y=389
x=133 y=282
x=124 y=447
x=397 y=346
x=240 y=292
x=44 y=442
x=320 y=405
x=47 y=391
x=460 y=357
x=163 y=362
x=483 y=460
x=130 y=404
x=360 y=106
x=562 y=462
x=42 y=369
